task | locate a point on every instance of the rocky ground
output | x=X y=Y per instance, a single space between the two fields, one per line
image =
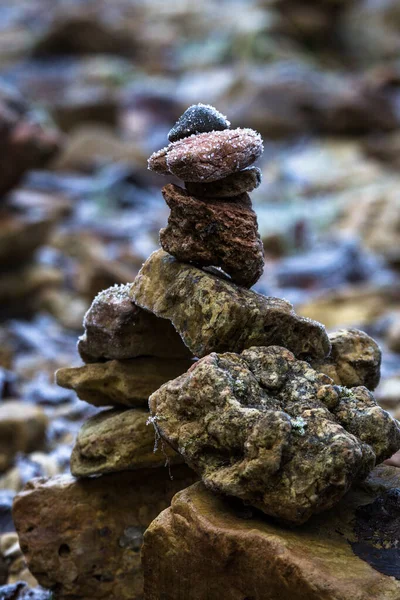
x=88 y=91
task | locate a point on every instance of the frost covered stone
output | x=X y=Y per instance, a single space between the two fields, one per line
x=117 y=329
x=198 y=118
x=220 y=232
x=269 y=429
x=208 y=156
x=215 y=315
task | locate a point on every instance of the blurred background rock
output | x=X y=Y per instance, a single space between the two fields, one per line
x=90 y=88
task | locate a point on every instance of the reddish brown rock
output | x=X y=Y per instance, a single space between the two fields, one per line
x=82 y=538
x=219 y=232
x=208 y=156
x=115 y=328
x=355 y=359
x=228 y=187
x=206 y=548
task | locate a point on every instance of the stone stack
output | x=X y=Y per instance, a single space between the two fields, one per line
x=265 y=407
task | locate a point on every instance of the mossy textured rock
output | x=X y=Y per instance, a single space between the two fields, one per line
x=205 y=547
x=121 y=382
x=355 y=359
x=118 y=440
x=267 y=428
x=219 y=232
x=213 y=315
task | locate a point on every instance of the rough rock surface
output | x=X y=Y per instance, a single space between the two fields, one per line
x=228 y=187
x=121 y=382
x=206 y=547
x=23 y=428
x=82 y=538
x=115 y=328
x=118 y=440
x=198 y=118
x=213 y=315
x=267 y=428
x=219 y=232
x=355 y=359
x=208 y=156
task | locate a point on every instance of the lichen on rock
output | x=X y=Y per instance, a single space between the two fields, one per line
x=269 y=429
x=355 y=359
x=214 y=315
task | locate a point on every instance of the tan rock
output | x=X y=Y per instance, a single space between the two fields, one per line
x=355 y=359
x=267 y=428
x=115 y=328
x=84 y=537
x=22 y=429
x=118 y=440
x=121 y=382
x=205 y=548
x=214 y=315
x=232 y=185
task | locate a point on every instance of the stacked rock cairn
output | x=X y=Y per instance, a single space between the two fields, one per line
x=261 y=403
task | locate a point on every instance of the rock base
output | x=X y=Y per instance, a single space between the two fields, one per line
x=82 y=538
x=205 y=547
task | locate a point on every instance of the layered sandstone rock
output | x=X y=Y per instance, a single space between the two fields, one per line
x=121 y=382
x=207 y=547
x=118 y=440
x=82 y=538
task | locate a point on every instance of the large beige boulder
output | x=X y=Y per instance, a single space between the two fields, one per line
x=205 y=547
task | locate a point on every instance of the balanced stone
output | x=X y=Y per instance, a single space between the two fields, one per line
x=270 y=430
x=198 y=118
x=83 y=537
x=355 y=359
x=205 y=547
x=233 y=185
x=115 y=328
x=121 y=382
x=208 y=156
x=213 y=315
x=118 y=440
x=219 y=232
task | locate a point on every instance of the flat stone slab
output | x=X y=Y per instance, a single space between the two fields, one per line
x=119 y=440
x=205 y=547
x=121 y=382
